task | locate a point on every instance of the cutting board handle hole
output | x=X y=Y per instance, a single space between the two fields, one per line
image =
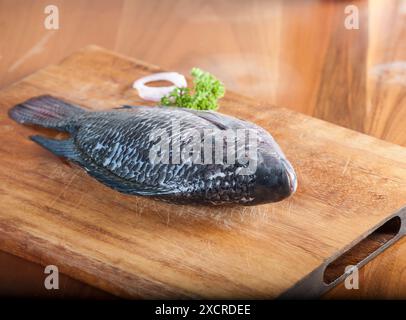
x=362 y=250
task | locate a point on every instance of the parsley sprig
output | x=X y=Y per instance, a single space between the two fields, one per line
x=205 y=94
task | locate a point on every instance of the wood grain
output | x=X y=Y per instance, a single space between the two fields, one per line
x=134 y=247
x=295 y=54
x=289 y=53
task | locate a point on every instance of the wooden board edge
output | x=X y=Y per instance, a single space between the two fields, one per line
x=313 y=286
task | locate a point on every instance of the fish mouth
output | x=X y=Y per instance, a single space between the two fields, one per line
x=275 y=181
x=291 y=174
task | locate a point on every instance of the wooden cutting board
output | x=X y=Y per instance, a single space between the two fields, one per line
x=51 y=212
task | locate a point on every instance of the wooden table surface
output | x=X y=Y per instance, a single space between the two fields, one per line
x=295 y=54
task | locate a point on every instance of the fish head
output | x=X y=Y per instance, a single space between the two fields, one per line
x=275 y=178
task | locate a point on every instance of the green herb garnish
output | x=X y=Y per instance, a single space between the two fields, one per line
x=205 y=94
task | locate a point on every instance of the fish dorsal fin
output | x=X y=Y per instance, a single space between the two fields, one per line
x=221 y=121
x=127 y=107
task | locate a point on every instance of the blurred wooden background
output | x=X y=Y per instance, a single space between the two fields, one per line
x=296 y=54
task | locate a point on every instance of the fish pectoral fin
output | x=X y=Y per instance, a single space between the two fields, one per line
x=61 y=148
x=115 y=182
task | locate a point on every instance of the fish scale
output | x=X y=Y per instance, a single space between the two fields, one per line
x=114 y=147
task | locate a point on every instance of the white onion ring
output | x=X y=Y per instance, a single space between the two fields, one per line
x=156 y=93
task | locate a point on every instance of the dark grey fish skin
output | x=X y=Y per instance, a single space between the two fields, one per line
x=113 y=146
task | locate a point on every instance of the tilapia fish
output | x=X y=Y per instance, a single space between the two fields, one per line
x=148 y=151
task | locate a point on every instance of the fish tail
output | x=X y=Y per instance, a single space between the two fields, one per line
x=63 y=148
x=45 y=111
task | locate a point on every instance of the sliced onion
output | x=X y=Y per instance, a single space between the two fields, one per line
x=156 y=93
